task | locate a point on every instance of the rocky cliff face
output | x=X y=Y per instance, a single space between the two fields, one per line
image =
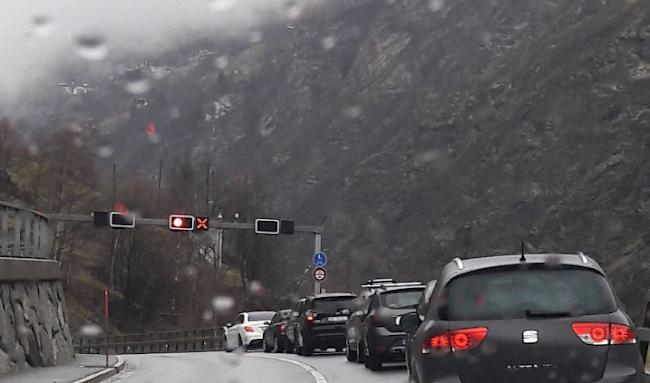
x=34 y=330
x=417 y=131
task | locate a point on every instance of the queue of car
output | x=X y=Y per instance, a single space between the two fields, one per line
x=515 y=318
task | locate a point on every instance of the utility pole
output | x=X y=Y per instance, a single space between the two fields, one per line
x=160 y=166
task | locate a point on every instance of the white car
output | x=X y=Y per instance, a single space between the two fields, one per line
x=247 y=331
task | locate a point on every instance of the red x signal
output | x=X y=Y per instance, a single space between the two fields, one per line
x=202 y=223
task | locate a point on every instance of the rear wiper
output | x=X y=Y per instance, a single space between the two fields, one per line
x=547 y=314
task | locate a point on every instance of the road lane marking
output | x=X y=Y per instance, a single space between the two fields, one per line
x=318 y=377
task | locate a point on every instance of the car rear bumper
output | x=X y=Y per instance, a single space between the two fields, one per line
x=329 y=336
x=388 y=346
x=252 y=339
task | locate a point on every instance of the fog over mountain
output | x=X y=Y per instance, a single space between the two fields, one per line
x=37 y=35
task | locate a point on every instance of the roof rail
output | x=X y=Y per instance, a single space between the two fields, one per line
x=583 y=257
x=459 y=263
x=381 y=280
x=391 y=284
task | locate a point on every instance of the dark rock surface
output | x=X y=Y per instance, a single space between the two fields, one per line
x=33 y=326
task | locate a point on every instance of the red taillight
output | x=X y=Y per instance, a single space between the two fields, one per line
x=249 y=329
x=460 y=340
x=283 y=328
x=622 y=334
x=309 y=316
x=600 y=334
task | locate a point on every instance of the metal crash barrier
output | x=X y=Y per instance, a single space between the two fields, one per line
x=205 y=339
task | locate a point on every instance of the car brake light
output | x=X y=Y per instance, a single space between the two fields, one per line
x=460 y=340
x=600 y=334
x=283 y=328
x=309 y=315
x=622 y=334
x=249 y=329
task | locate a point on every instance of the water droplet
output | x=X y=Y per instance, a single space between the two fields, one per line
x=256 y=288
x=78 y=142
x=428 y=156
x=91 y=47
x=90 y=331
x=436 y=5
x=105 y=151
x=221 y=62
x=293 y=10
x=221 y=5
x=328 y=42
x=150 y=129
x=174 y=112
x=137 y=86
x=207 y=316
x=158 y=72
x=190 y=271
x=33 y=150
x=353 y=112
x=255 y=37
x=42 y=26
x=223 y=303
x=23 y=330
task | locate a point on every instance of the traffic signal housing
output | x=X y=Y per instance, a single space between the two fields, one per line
x=267 y=226
x=119 y=220
x=180 y=222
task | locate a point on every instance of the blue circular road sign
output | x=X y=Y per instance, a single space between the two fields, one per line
x=320 y=259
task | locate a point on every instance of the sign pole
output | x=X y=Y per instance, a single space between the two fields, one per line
x=317 y=249
x=106 y=323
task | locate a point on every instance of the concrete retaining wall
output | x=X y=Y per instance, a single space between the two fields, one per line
x=34 y=328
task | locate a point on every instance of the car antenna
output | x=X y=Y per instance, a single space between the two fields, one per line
x=523 y=254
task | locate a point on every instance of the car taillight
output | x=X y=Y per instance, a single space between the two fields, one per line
x=457 y=340
x=622 y=334
x=601 y=334
x=249 y=329
x=309 y=315
x=283 y=328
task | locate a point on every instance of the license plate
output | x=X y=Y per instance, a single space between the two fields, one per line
x=337 y=319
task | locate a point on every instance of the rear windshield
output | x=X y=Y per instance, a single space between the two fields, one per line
x=260 y=316
x=507 y=294
x=334 y=304
x=401 y=299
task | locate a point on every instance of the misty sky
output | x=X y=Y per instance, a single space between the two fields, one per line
x=29 y=47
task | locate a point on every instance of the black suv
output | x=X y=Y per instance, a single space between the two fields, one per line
x=523 y=318
x=318 y=322
x=372 y=337
x=275 y=338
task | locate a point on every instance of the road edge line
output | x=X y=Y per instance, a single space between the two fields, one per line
x=103 y=374
x=317 y=375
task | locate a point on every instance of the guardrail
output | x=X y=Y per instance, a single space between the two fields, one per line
x=205 y=339
x=24 y=232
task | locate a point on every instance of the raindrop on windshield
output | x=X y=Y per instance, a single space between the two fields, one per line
x=91 y=47
x=221 y=62
x=22 y=330
x=293 y=10
x=353 y=112
x=105 y=151
x=223 y=303
x=436 y=5
x=42 y=26
x=328 y=42
x=256 y=288
x=255 y=37
x=207 y=316
x=221 y=5
x=90 y=331
x=137 y=85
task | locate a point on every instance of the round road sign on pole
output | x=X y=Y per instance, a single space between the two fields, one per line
x=320 y=259
x=319 y=274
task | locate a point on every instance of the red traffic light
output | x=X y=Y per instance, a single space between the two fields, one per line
x=202 y=223
x=178 y=222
